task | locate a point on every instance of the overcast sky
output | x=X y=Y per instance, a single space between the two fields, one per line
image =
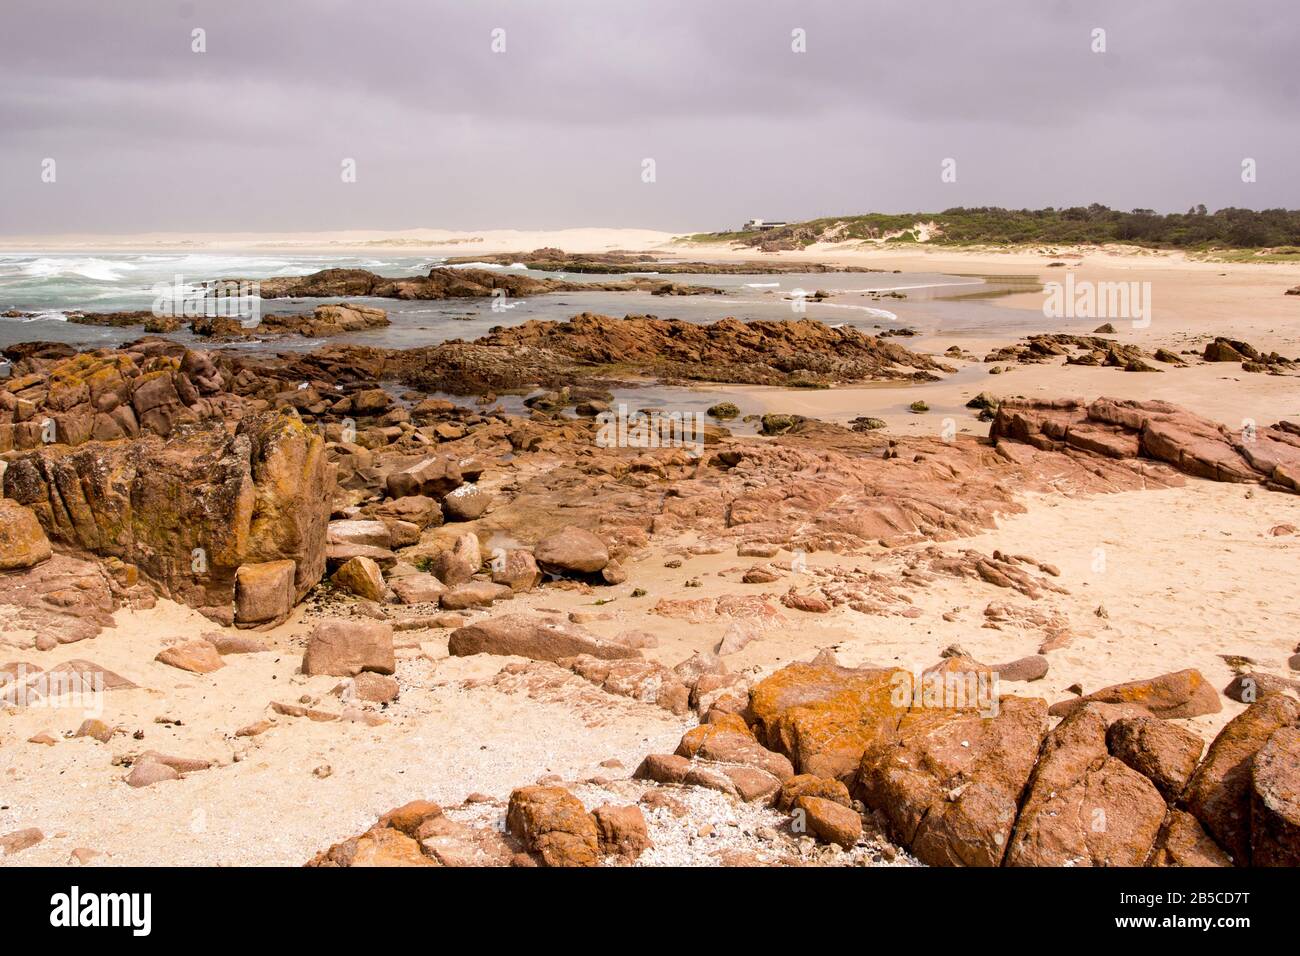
x=446 y=133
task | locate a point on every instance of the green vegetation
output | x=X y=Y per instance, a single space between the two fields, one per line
x=919 y=407
x=1277 y=230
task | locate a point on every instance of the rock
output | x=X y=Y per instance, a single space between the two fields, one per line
x=353 y=531
x=752 y=784
x=1180 y=694
x=375 y=688
x=96 y=729
x=1083 y=806
x=1275 y=801
x=18 y=840
x=829 y=821
x=84 y=855
x=622 y=831
x=460 y=562
x=346 y=648
x=1182 y=842
x=1029 y=668
x=810 y=785
x=474 y=594
x=466 y=502
x=536 y=638
x=235 y=644
x=197 y=657
x=824 y=718
x=417 y=588
x=409 y=816
x=145 y=773
x=264 y=593
x=362 y=577
x=1219 y=793
x=433 y=478
x=387 y=847
x=663 y=768
x=420 y=510
x=641 y=680
x=552 y=824
x=202 y=499
x=1248 y=688
x=1164 y=753
x=571 y=551
x=22 y=541
x=518 y=571
x=720 y=743
x=950 y=785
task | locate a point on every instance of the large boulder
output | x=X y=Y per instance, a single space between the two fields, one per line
x=1275 y=801
x=525 y=636
x=553 y=824
x=1182 y=842
x=346 y=648
x=951 y=783
x=22 y=541
x=571 y=551
x=1085 y=807
x=824 y=717
x=433 y=478
x=190 y=510
x=1219 y=793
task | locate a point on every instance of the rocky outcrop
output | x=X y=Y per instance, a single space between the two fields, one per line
x=444 y=283
x=1155 y=430
x=1083 y=806
x=189 y=511
x=950 y=784
x=22 y=540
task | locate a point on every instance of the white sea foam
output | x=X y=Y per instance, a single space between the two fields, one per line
x=101 y=270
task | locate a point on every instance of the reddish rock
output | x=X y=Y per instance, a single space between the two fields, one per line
x=1180 y=694
x=829 y=821
x=646 y=681
x=810 y=785
x=571 y=551
x=1164 y=753
x=1219 y=793
x=197 y=656
x=264 y=593
x=552 y=824
x=663 y=768
x=1275 y=801
x=1083 y=806
x=723 y=744
x=19 y=840
x=824 y=718
x=622 y=831
x=951 y=783
x=145 y=773
x=361 y=576
x=22 y=541
x=346 y=648
x=1182 y=842
x=517 y=570
x=526 y=636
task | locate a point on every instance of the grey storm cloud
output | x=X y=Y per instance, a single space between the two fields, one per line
x=249 y=135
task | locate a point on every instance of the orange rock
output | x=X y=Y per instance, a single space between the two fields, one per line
x=1180 y=694
x=829 y=821
x=552 y=824
x=824 y=717
x=197 y=657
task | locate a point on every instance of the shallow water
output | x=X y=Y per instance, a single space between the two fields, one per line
x=52 y=284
